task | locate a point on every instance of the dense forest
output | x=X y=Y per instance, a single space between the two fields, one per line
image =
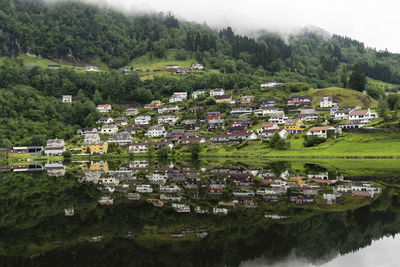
x=78 y=32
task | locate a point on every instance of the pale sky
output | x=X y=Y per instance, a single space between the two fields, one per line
x=371 y=21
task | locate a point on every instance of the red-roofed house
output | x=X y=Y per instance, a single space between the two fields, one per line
x=104 y=108
x=362 y=116
x=269 y=126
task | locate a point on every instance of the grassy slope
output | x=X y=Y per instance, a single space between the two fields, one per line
x=347 y=97
x=348 y=145
x=44 y=62
x=146 y=62
x=383 y=86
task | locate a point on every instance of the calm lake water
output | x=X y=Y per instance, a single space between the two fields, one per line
x=52 y=214
x=382 y=252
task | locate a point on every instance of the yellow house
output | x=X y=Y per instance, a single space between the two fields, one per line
x=95 y=166
x=153 y=104
x=298 y=180
x=223 y=98
x=95 y=147
x=294 y=126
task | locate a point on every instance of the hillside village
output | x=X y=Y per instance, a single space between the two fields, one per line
x=229 y=119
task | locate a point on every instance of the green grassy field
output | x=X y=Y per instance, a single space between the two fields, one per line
x=347 y=97
x=148 y=63
x=348 y=145
x=44 y=62
x=383 y=86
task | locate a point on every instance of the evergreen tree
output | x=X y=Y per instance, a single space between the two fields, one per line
x=357 y=80
x=343 y=77
x=97 y=98
x=383 y=108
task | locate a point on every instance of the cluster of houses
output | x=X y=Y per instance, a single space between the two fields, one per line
x=160 y=124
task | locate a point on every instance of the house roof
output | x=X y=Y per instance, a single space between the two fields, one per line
x=358 y=112
x=189 y=122
x=321 y=128
x=292 y=121
x=268 y=124
x=222 y=96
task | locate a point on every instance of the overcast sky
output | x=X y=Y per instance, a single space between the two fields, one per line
x=374 y=22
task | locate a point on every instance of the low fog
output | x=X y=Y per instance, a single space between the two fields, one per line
x=372 y=22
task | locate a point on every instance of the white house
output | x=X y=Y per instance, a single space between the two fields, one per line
x=109 y=129
x=278 y=117
x=105 y=120
x=167 y=119
x=144 y=188
x=178 y=97
x=362 y=116
x=327 y=102
x=169 y=189
x=217 y=92
x=340 y=115
x=139 y=164
x=268 y=126
x=266 y=111
x=91 y=68
x=269 y=133
x=123 y=138
x=67 y=98
x=143 y=120
x=321 y=131
x=241 y=111
x=109 y=180
x=156 y=131
x=270 y=84
x=157 y=178
x=170 y=108
x=131 y=111
x=104 y=108
x=308 y=114
x=91 y=138
x=54 y=147
x=197 y=93
x=366 y=187
x=172 y=66
x=197 y=66
x=138 y=148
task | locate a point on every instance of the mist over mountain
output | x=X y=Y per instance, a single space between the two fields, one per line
x=80 y=32
x=368 y=22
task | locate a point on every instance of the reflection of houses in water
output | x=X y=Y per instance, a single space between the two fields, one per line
x=123 y=174
x=90 y=177
x=325 y=176
x=139 y=164
x=95 y=166
x=27 y=167
x=157 y=178
x=55 y=168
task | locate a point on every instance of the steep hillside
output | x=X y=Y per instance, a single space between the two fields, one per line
x=81 y=33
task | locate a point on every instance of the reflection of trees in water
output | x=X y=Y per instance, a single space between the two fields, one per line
x=316 y=236
x=32 y=213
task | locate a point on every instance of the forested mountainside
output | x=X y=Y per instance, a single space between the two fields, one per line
x=79 y=32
